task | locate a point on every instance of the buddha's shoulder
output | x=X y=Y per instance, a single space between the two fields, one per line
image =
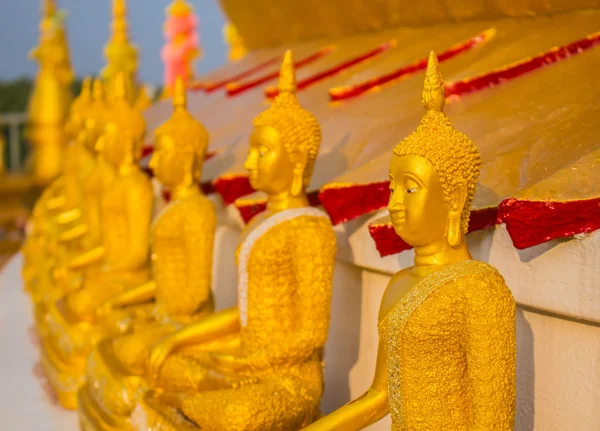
x=483 y=278
x=198 y=206
x=313 y=226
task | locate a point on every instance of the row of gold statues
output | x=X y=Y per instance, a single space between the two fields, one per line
x=124 y=308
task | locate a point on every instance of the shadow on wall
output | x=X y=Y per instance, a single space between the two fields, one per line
x=525 y=375
x=341 y=350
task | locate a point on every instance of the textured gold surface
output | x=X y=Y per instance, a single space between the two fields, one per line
x=258 y=367
x=290 y=269
x=125 y=210
x=182 y=247
x=268 y=23
x=450 y=345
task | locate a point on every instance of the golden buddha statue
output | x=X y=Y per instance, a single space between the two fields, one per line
x=53 y=211
x=259 y=366
x=446 y=358
x=182 y=249
x=71 y=328
x=77 y=195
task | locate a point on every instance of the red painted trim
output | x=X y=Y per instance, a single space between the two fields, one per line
x=210 y=86
x=347 y=203
x=531 y=223
x=388 y=242
x=232 y=188
x=236 y=88
x=342 y=93
x=272 y=92
x=520 y=68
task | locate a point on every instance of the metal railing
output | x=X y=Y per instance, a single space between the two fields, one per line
x=13 y=121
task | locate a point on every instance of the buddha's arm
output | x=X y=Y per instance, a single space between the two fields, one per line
x=367 y=409
x=214 y=326
x=491 y=354
x=139 y=214
x=198 y=237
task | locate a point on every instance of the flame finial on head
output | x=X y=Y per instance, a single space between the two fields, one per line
x=86 y=87
x=97 y=89
x=434 y=98
x=179 y=94
x=287 y=74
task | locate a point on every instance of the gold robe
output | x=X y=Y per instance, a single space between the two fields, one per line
x=285 y=271
x=451 y=355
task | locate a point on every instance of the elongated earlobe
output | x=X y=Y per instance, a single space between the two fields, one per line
x=454 y=231
x=297 y=181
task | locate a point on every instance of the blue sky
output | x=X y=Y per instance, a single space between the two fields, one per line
x=88 y=27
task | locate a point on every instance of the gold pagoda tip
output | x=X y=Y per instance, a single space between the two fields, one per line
x=434 y=98
x=97 y=89
x=120 y=87
x=49 y=8
x=119 y=8
x=179 y=93
x=287 y=74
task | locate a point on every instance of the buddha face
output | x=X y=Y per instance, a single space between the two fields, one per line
x=111 y=145
x=417 y=207
x=91 y=132
x=268 y=163
x=166 y=163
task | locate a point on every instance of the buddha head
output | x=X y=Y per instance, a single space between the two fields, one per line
x=78 y=109
x=93 y=122
x=124 y=129
x=285 y=141
x=180 y=145
x=433 y=174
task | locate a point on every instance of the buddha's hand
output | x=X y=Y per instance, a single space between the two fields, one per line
x=159 y=353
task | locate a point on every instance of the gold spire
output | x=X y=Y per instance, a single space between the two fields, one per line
x=179 y=94
x=48 y=8
x=119 y=20
x=434 y=97
x=287 y=74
